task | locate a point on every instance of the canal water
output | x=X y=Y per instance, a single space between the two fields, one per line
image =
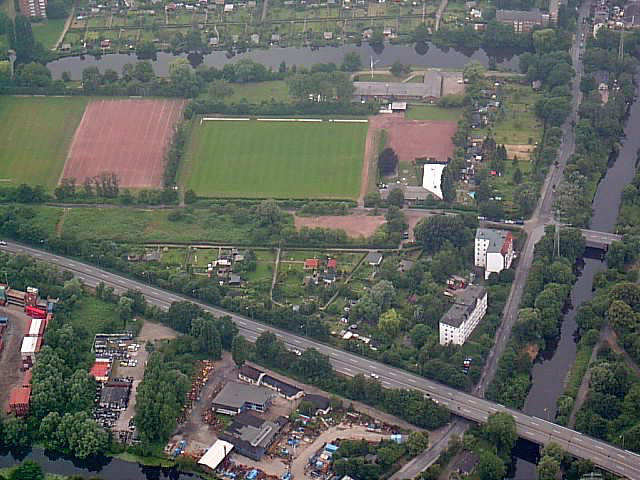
x=552 y=366
x=102 y=467
x=427 y=55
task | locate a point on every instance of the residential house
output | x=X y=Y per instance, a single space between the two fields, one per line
x=493 y=250
x=522 y=20
x=373 y=258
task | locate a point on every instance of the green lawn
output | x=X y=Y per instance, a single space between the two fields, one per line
x=275 y=159
x=138 y=225
x=35 y=135
x=258 y=92
x=432 y=112
x=91 y=316
x=47 y=32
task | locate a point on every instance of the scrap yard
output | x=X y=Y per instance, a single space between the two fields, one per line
x=250 y=423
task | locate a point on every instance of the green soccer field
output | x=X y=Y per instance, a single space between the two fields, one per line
x=35 y=136
x=275 y=159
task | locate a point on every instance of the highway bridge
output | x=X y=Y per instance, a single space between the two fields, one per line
x=602 y=240
x=608 y=457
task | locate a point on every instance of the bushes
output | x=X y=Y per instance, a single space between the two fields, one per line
x=540 y=316
x=175 y=153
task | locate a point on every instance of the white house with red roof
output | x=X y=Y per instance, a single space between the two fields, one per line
x=493 y=250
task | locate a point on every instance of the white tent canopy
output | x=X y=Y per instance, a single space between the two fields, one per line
x=432 y=178
x=216 y=454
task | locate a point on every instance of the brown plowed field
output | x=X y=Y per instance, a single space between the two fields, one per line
x=128 y=137
x=357 y=225
x=410 y=139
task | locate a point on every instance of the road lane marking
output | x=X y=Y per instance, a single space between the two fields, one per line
x=535 y=423
x=557 y=431
x=472 y=401
x=599 y=447
x=392 y=374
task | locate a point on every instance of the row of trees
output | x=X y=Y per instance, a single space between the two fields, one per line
x=315 y=368
x=539 y=318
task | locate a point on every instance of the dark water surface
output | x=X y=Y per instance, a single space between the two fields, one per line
x=102 y=467
x=430 y=56
x=552 y=366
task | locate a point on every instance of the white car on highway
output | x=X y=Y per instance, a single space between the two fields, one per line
x=374 y=375
x=3 y=243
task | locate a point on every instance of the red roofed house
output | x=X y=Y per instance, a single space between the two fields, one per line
x=493 y=250
x=101 y=370
x=332 y=264
x=311 y=264
x=19 y=401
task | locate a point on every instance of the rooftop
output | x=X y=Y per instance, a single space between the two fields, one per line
x=318 y=401
x=19 y=396
x=534 y=15
x=255 y=431
x=216 y=453
x=495 y=237
x=31 y=344
x=465 y=302
x=250 y=372
x=235 y=395
x=115 y=392
x=282 y=387
x=373 y=257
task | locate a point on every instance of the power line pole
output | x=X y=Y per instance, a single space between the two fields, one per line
x=621 y=46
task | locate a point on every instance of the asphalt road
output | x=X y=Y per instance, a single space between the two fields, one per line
x=607 y=456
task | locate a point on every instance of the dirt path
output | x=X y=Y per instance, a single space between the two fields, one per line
x=10 y=359
x=607 y=335
x=583 y=391
x=369 y=159
x=199 y=435
x=67 y=24
x=612 y=340
x=60 y=223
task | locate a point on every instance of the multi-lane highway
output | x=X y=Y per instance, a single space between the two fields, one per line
x=607 y=456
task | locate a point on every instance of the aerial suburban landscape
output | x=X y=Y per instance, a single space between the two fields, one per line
x=319 y=239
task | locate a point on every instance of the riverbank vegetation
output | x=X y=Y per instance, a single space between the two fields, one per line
x=608 y=90
x=539 y=318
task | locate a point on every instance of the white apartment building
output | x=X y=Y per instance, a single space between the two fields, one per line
x=464 y=315
x=33 y=8
x=493 y=250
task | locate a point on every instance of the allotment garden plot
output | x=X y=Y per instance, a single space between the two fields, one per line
x=280 y=158
x=35 y=133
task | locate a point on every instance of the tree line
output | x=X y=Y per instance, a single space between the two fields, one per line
x=539 y=318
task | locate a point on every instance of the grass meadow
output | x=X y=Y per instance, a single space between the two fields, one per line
x=275 y=159
x=35 y=135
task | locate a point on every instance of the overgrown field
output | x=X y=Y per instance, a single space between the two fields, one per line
x=35 y=134
x=275 y=159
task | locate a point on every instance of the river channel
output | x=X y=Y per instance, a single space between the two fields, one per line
x=427 y=56
x=552 y=366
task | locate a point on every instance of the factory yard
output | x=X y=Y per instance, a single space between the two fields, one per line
x=10 y=359
x=271 y=438
x=150 y=332
x=126 y=137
